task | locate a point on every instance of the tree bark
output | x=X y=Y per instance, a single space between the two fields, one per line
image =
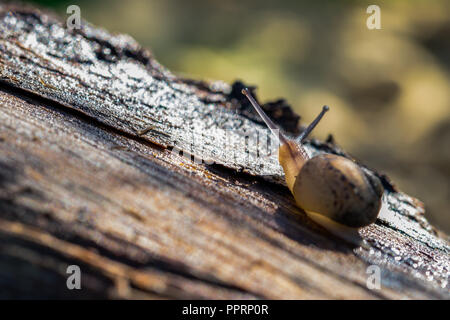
x=91 y=174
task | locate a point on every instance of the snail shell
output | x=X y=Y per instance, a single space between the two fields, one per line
x=342 y=192
x=331 y=186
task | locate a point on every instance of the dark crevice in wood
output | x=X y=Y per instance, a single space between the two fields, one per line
x=79 y=184
x=33 y=98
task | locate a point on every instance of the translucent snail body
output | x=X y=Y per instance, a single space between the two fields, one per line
x=333 y=190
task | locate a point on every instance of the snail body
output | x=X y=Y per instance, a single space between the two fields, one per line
x=333 y=190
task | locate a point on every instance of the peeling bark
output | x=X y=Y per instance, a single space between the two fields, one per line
x=88 y=123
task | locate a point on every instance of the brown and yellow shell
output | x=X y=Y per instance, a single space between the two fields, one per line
x=339 y=189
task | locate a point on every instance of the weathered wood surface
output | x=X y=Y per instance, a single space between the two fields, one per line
x=83 y=182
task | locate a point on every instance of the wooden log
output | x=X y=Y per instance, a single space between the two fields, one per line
x=91 y=126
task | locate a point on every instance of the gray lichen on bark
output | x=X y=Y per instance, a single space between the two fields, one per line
x=97 y=101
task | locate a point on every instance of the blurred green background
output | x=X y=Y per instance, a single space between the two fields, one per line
x=388 y=88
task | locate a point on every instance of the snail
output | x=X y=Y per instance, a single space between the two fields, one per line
x=332 y=190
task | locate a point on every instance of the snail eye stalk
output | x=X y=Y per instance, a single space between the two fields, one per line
x=272 y=126
x=312 y=125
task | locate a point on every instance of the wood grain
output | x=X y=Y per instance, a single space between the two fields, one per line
x=88 y=176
